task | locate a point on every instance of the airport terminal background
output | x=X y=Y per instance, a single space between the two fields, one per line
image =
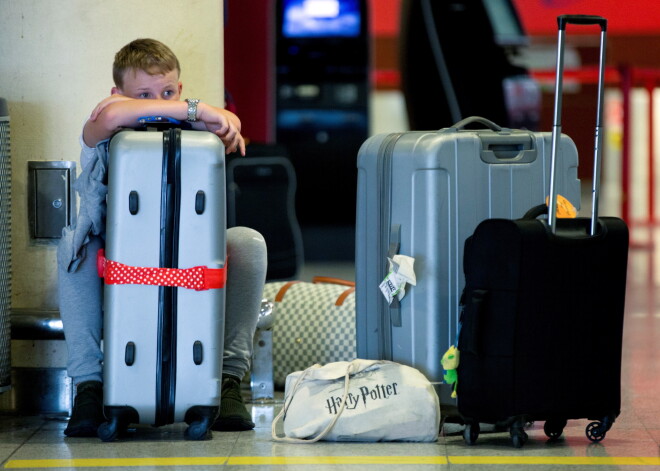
x=328 y=113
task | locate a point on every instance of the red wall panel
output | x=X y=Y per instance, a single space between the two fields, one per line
x=624 y=17
x=249 y=65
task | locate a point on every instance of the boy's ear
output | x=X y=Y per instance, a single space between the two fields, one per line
x=180 y=87
x=115 y=91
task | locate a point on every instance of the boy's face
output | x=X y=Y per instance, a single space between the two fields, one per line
x=140 y=84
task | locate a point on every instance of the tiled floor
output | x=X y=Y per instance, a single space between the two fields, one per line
x=632 y=443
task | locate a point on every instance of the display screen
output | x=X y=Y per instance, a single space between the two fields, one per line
x=321 y=18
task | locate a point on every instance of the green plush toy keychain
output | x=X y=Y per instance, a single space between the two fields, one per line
x=450 y=362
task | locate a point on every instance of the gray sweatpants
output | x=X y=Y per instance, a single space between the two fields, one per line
x=81 y=306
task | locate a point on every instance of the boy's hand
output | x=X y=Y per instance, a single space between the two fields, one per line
x=224 y=124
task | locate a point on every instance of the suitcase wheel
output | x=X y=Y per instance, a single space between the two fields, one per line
x=199 y=420
x=198 y=431
x=554 y=428
x=596 y=431
x=120 y=417
x=471 y=433
x=518 y=435
x=109 y=431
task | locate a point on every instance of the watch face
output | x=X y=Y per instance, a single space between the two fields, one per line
x=192 y=109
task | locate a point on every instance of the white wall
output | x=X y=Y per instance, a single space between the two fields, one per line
x=56 y=64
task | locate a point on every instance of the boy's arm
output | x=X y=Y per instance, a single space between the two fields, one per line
x=222 y=123
x=117 y=111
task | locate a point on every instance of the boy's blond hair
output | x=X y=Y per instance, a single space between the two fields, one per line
x=148 y=55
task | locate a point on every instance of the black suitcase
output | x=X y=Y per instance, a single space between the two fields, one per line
x=261 y=191
x=543 y=311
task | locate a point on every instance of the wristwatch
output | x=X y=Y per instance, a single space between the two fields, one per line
x=192 y=109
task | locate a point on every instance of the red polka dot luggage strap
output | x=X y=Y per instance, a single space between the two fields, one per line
x=198 y=278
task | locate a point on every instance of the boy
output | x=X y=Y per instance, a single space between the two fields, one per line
x=146 y=76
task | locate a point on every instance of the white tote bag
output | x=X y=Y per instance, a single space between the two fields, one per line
x=361 y=400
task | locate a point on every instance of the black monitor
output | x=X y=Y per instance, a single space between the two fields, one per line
x=505 y=22
x=323 y=39
x=321 y=102
x=454 y=58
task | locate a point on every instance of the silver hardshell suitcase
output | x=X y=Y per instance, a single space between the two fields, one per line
x=163 y=342
x=421 y=194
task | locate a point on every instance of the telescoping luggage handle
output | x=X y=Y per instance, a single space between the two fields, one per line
x=562 y=21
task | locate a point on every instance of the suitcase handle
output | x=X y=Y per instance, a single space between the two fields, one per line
x=562 y=21
x=477 y=119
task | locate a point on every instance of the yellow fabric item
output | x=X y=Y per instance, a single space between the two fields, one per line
x=564 y=207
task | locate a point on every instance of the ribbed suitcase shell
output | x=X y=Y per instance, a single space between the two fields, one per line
x=425 y=192
x=132 y=311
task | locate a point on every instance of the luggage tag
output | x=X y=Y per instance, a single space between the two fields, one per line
x=400 y=272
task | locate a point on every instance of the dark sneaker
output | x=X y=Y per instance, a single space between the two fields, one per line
x=87 y=412
x=233 y=413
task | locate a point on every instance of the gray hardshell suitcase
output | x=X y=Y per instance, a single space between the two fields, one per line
x=421 y=194
x=163 y=342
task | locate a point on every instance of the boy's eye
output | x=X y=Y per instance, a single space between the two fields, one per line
x=144 y=95
x=168 y=93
